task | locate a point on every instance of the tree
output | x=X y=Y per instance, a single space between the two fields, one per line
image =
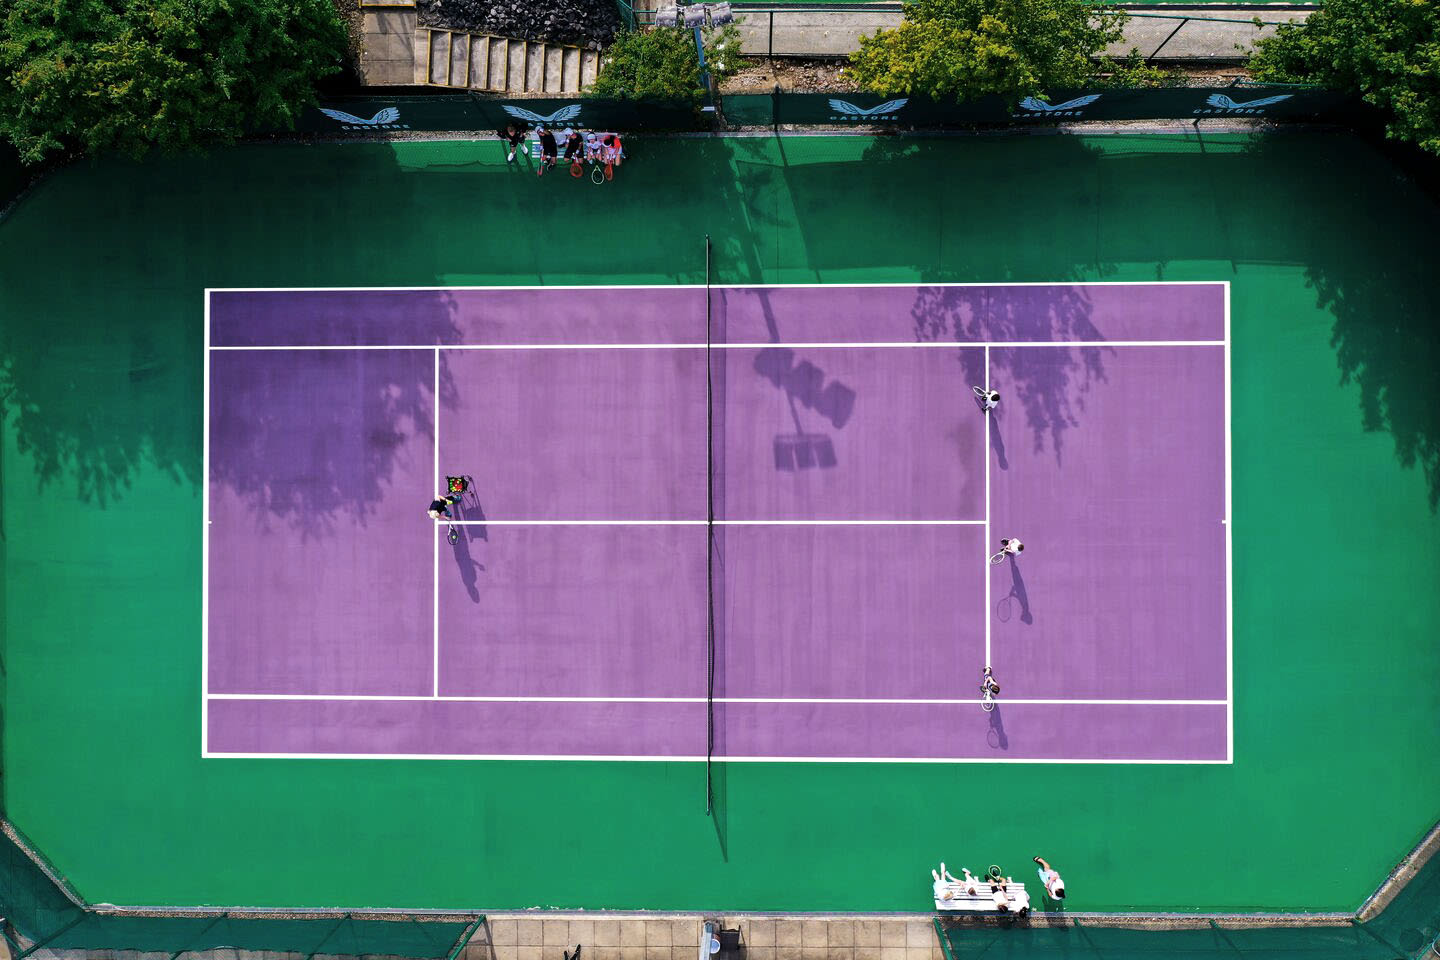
x=965 y=49
x=662 y=64
x=115 y=76
x=1388 y=51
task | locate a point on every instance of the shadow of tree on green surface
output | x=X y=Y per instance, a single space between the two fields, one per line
x=1374 y=272
x=1387 y=343
x=91 y=408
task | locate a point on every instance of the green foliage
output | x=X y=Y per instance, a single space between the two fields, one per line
x=128 y=76
x=662 y=64
x=965 y=49
x=1388 y=51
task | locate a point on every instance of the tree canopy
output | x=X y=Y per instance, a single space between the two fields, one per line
x=662 y=63
x=966 y=49
x=1388 y=51
x=104 y=76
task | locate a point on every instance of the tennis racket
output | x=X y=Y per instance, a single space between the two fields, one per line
x=597 y=175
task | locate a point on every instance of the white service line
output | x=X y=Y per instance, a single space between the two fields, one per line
x=435 y=542
x=718 y=523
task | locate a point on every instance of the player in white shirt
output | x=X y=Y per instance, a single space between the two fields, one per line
x=1050 y=877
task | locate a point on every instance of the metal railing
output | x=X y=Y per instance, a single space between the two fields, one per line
x=821 y=30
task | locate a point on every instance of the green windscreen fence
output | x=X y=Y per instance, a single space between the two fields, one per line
x=44 y=918
x=13 y=176
x=1404 y=930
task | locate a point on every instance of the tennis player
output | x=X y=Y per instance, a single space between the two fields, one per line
x=988 y=399
x=987 y=683
x=612 y=150
x=1012 y=546
x=1050 y=877
x=548 y=149
x=440 y=509
x=513 y=136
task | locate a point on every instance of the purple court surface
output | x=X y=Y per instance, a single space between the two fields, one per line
x=858 y=493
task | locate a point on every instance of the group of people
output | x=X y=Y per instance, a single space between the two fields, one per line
x=579 y=148
x=1004 y=894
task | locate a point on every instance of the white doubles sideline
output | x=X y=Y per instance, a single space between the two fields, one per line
x=206 y=696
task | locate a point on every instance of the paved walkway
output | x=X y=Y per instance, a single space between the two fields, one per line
x=826 y=33
x=389 y=49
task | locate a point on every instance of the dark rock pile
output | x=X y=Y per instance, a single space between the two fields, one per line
x=585 y=23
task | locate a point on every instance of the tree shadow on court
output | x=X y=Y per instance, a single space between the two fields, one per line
x=1049 y=387
x=804 y=384
x=316 y=439
x=940 y=234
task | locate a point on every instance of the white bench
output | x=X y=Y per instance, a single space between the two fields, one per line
x=971 y=894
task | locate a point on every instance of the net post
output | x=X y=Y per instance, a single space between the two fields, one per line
x=709 y=546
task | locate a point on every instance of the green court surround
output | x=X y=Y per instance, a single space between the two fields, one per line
x=1336 y=445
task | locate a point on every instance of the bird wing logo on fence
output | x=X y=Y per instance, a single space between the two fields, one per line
x=384 y=118
x=1220 y=103
x=563 y=115
x=845 y=110
x=1070 y=108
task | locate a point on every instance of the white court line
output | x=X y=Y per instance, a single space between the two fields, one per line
x=861 y=701
x=205 y=546
x=797 y=345
x=985 y=547
x=734 y=286
x=435 y=540
x=1225 y=343
x=701 y=758
x=1229 y=562
x=718 y=523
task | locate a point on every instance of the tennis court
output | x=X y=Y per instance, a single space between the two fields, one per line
x=855 y=515
x=857 y=285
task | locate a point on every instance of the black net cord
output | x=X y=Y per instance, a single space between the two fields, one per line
x=709 y=545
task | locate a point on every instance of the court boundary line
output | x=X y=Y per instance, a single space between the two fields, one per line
x=688 y=758
x=1224 y=343
x=854 y=701
x=1229 y=558
x=886 y=284
x=205 y=544
x=738 y=345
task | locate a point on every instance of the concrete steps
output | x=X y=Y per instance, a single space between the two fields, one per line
x=475 y=61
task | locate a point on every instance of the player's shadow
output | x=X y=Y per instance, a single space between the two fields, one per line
x=997 y=440
x=1049 y=386
x=995 y=736
x=1005 y=607
x=470 y=568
